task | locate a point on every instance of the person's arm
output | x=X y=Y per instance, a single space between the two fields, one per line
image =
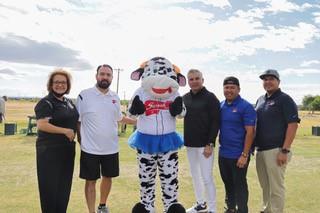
x=44 y=125
x=128 y=120
x=243 y=159
x=214 y=117
x=290 y=113
x=78 y=106
x=79 y=132
x=290 y=135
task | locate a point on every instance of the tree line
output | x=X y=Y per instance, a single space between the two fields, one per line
x=311 y=103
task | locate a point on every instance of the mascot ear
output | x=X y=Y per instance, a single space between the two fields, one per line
x=181 y=80
x=136 y=75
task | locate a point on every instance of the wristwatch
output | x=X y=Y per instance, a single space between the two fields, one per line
x=243 y=154
x=285 y=151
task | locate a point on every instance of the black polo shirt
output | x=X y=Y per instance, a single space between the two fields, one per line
x=202 y=120
x=60 y=113
x=273 y=115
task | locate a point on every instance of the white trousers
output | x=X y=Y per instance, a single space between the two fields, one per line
x=201 y=169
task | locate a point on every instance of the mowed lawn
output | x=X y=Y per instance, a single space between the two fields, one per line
x=18 y=181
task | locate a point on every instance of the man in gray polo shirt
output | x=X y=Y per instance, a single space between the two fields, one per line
x=277 y=123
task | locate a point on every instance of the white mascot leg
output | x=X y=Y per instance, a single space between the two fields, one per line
x=147 y=176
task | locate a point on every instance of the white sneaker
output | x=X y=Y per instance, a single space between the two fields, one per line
x=103 y=209
x=198 y=208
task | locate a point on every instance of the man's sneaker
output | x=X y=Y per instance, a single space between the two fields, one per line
x=229 y=210
x=103 y=209
x=198 y=208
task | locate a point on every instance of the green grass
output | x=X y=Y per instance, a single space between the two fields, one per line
x=18 y=181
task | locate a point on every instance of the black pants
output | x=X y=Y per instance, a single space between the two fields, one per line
x=235 y=183
x=55 y=170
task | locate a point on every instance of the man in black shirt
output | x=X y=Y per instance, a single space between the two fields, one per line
x=201 y=125
x=277 y=123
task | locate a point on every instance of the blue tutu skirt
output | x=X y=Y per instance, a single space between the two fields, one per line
x=155 y=143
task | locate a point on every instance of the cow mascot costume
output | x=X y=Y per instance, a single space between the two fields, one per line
x=157 y=103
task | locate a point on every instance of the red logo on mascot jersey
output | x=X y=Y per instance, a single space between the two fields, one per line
x=154 y=107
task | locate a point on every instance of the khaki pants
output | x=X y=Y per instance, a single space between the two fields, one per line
x=271 y=178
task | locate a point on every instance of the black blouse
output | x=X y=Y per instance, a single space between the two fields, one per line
x=60 y=113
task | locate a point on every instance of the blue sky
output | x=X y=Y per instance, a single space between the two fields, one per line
x=219 y=37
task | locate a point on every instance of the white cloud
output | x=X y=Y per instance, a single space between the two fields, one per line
x=317 y=17
x=299 y=72
x=282 y=5
x=215 y=3
x=251 y=14
x=279 y=5
x=276 y=6
x=309 y=63
x=285 y=38
x=218 y=3
x=137 y=28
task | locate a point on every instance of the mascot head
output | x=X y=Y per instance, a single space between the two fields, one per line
x=159 y=77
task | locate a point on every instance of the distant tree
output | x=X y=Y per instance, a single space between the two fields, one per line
x=124 y=102
x=306 y=101
x=315 y=104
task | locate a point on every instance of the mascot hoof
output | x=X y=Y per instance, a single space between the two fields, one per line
x=176 y=208
x=139 y=208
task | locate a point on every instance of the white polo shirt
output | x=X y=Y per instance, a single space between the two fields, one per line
x=99 y=114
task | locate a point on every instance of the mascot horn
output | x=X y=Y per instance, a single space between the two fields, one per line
x=157 y=103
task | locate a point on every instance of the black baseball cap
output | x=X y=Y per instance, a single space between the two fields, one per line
x=231 y=80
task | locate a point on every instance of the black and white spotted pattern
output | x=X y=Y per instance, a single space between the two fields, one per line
x=159 y=66
x=167 y=166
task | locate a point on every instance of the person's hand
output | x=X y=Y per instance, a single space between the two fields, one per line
x=137 y=106
x=282 y=159
x=175 y=108
x=242 y=161
x=69 y=133
x=207 y=151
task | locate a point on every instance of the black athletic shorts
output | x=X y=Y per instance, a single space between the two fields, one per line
x=92 y=166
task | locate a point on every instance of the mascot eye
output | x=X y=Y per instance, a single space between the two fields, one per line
x=173 y=77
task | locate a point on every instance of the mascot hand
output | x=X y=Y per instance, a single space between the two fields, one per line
x=137 y=106
x=175 y=107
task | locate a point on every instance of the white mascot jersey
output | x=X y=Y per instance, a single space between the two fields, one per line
x=157 y=119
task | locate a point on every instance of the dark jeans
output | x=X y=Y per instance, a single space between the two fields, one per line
x=235 y=183
x=55 y=166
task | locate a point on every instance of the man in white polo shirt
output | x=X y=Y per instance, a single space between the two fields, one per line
x=99 y=110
